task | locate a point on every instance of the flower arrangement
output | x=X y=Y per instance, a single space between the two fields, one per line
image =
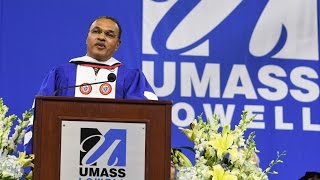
x=11 y=166
x=221 y=153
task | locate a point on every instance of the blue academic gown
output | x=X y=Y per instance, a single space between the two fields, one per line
x=130 y=84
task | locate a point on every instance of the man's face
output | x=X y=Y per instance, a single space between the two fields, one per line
x=103 y=39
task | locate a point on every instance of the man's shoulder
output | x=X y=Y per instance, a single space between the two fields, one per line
x=66 y=65
x=129 y=71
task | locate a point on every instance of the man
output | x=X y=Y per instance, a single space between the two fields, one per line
x=95 y=67
x=97 y=74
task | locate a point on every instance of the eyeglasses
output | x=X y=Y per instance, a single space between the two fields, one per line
x=108 y=33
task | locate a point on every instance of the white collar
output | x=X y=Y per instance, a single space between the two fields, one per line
x=88 y=59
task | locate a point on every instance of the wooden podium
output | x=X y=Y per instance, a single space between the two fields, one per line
x=51 y=112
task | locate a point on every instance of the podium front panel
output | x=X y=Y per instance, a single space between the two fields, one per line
x=54 y=115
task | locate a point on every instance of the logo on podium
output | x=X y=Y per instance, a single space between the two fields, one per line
x=102 y=150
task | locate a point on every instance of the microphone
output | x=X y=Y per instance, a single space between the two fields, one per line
x=111 y=78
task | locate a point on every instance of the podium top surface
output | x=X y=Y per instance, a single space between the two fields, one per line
x=83 y=99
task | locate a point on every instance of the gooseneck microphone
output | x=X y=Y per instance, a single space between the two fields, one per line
x=111 y=78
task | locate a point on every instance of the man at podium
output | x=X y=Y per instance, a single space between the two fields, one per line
x=97 y=74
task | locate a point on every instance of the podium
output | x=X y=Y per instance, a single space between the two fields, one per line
x=94 y=138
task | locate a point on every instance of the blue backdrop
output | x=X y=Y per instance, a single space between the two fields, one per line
x=207 y=56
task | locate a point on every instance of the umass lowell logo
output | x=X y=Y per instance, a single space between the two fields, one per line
x=234 y=50
x=102 y=154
